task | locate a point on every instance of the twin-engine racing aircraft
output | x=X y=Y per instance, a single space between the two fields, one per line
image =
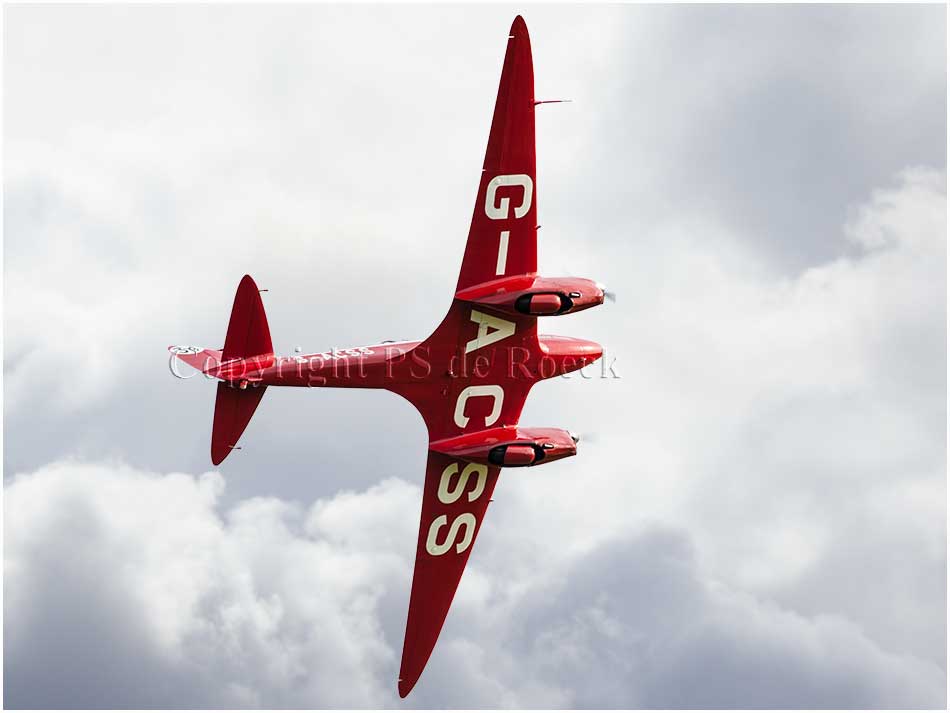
x=469 y=379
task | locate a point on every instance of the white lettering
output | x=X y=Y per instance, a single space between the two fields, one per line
x=450 y=496
x=502 y=252
x=500 y=212
x=500 y=329
x=466 y=520
x=496 y=392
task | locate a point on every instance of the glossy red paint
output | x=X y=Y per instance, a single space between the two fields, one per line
x=509 y=446
x=518 y=294
x=514 y=454
x=544 y=304
x=469 y=379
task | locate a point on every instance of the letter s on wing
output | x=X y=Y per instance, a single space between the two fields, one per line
x=466 y=520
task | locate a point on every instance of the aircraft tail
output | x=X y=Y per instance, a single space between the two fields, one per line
x=233 y=409
x=248 y=333
x=248 y=338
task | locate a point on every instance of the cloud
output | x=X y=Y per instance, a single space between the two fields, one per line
x=795 y=426
x=139 y=190
x=128 y=588
x=135 y=589
x=764 y=187
x=768 y=121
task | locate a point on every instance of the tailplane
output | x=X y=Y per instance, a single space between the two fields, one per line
x=233 y=409
x=248 y=340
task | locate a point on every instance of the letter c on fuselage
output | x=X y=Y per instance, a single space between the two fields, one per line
x=493 y=390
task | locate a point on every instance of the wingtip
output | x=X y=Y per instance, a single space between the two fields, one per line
x=219 y=453
x=405 y=687
x=518 y=26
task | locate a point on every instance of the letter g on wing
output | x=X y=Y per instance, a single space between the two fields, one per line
x=500 y=212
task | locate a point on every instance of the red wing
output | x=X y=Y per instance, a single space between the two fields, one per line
x=454 y=502
x=503 y=236
x=471 y=361
x=468 y=395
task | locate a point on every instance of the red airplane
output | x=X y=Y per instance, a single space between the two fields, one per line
x=469 y=379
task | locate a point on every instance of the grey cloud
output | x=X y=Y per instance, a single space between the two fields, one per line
x=795 y=427
x=739 y=175
x=129 y=589
x=143 y=581
x=634 y=624
x=774 y=120
x=224 y=176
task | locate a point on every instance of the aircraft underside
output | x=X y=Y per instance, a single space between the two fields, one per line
x=469 y=379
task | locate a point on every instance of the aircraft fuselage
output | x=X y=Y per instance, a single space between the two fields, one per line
x=385 y=365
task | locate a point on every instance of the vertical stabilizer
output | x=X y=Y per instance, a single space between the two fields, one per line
x=248 y=336
x=248 y=333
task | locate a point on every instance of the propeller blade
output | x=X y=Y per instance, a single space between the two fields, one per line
x=608 y=294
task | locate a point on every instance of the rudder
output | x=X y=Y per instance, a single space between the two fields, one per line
x=248 y=337
x=248 y=333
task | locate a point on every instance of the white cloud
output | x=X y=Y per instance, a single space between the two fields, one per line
x=781 y=339
x=240 y=610
x=788 y=423
x=115 y=572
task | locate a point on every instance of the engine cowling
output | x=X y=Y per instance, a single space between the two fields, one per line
x=537 y=296
x=541 y=303
x=515 y=454
x=510 y=447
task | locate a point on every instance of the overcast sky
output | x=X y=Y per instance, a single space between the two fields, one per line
x=758 y=516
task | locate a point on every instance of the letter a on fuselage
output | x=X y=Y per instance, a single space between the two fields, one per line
x=491 y=329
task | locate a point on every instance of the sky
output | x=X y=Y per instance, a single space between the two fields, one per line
x=757 y=513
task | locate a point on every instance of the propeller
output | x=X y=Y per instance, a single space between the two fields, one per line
x=608 y=293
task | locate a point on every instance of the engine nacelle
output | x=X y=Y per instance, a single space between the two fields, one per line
x=515 y=454
x=510 y=447
x=538 y=296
